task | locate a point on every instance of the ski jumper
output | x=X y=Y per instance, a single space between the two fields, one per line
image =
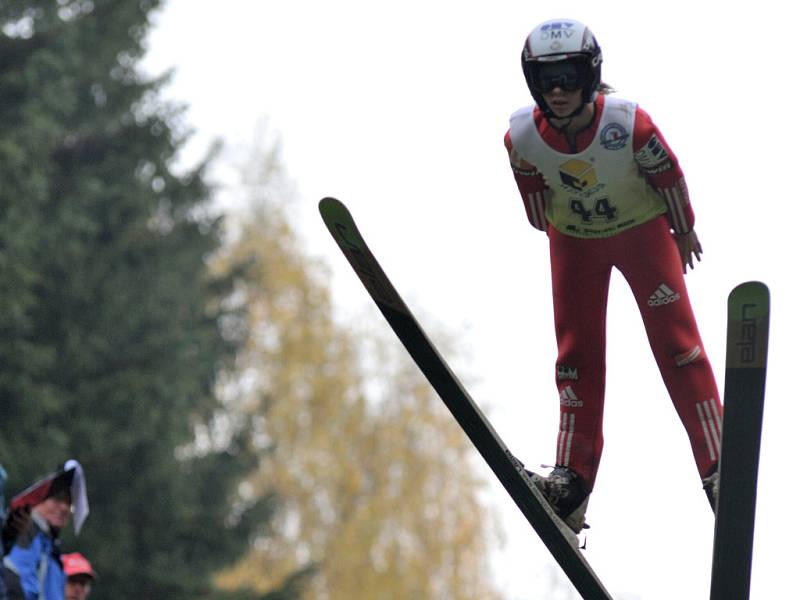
x=611 y=201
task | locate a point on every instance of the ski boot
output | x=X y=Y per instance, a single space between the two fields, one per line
x=567 y=495
x=711 y=488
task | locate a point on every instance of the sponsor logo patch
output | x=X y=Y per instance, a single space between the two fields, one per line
x=614 y=136
x=578 y=175
x=569 y=399
x=652 y=157
x=558 y=30
x=663 y=295
x=564 y=373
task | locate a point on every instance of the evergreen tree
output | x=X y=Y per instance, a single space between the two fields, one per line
x=114 y=332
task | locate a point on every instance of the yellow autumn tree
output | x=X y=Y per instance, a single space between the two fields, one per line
x=376 y=486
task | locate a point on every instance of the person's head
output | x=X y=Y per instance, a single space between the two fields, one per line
x=56 y=508
x=57 y=497
x=561 y=62
x=80 y=576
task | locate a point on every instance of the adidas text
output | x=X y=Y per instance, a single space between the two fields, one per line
x=571 y=403
x=663 y=295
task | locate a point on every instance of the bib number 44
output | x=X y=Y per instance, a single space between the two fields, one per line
x=602 y=209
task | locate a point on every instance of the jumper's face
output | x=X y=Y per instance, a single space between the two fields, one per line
x=563 y=103
x=561 y=83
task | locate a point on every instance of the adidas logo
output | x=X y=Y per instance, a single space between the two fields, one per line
x=569 y=399
x=663 y=295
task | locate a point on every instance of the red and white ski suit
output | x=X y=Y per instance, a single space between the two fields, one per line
x=611 y=201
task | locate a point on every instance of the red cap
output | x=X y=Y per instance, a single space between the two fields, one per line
x=76 y=564
x=42 y=489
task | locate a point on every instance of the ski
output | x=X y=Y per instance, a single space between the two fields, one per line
x=508 y=469
x=745 y=378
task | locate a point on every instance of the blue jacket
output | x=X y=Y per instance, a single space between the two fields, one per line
x=3 y=595
x=3 y=477
x=35 y=559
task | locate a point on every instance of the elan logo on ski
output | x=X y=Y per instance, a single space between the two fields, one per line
x=749 y=330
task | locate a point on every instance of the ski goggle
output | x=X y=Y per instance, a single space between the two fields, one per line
x=569 y=75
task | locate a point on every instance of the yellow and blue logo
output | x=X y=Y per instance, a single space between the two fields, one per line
x=578 y=175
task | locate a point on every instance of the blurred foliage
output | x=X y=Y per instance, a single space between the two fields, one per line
x=377 y=492
x=113 y=328
x=239 y=442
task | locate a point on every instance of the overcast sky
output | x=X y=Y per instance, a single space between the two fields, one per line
x=399 y=109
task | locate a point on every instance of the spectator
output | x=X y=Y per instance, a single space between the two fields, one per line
x=80 y=576
x=3 y=478
x=16 y=522
x=12 y=523
x=33 y=565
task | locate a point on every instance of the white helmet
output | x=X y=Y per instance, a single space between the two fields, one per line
x=554 y=45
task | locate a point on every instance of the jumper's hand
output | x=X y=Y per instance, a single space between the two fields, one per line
x=688 y=245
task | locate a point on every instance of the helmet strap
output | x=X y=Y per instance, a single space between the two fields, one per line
x=551 y=117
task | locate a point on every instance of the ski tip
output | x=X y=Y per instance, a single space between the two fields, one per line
x=340 y=223
x=332 y=209
x=748 y=325
x=752 y=293
x=751 y=287
x=328 y=201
